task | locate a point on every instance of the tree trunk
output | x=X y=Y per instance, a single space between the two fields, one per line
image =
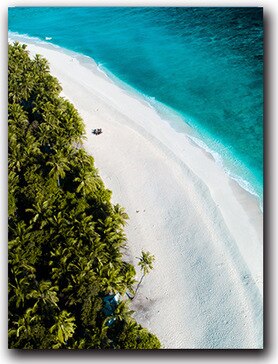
x=138 y=285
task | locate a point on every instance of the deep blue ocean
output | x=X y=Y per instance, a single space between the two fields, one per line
x=204 y=63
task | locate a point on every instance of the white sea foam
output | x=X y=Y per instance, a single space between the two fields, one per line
x=21 y=37
x=177 y=121
x=170 y=115
x=243 y=183
x=216 y=156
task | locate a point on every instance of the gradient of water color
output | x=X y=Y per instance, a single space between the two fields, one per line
x=205 y=63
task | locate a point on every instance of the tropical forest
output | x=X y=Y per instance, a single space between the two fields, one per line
x=66 y=238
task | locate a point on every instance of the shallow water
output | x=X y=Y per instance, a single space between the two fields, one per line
x=205 y=63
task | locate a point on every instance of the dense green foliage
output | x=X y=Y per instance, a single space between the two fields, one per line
x=65 y=236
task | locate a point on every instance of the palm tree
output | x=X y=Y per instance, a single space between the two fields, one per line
x=45 y=294
x=39 y=210
x=83 y=160
x=40 y=63
x=57 y=222
x=111 y=278
x=18 y=120
x=63 y=329
x=44 y=135
x=17 y=291
x=146 y=261
x=15 y=157
x=24 y=323
x=59 y=164
x=122 y=312
x=120 y=215
x=13 y=181
x=87 y=182
x=73 y=123
x=19 y=73
x=128 y=273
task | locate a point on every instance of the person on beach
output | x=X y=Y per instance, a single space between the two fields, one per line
x=97 y=131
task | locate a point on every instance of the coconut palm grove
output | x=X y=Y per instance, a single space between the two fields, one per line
x=66 y=238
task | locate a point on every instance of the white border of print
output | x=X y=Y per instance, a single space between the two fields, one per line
x=270 y=354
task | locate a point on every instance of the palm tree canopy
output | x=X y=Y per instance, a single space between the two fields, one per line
x=65 y=235
x=146 y=261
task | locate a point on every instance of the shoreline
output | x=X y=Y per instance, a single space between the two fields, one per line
x=178 y=122
x=205 y=233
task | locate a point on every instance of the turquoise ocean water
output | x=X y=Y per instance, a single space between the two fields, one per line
x=204 y=63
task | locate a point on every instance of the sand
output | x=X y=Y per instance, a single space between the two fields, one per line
x=205 y=231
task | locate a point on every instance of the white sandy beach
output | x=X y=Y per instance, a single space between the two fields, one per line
x=205 y=231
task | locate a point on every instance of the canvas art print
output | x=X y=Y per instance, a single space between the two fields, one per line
x=135 y=177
